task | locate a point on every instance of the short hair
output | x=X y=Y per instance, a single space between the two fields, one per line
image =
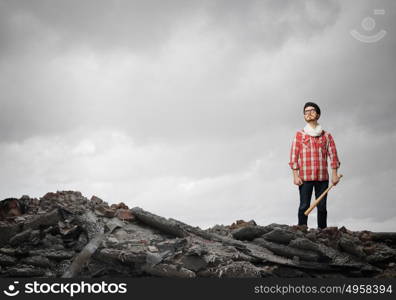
x=313 y=105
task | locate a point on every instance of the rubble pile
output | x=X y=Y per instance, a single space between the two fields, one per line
x=64 y=234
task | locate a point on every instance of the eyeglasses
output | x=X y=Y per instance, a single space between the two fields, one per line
x=309 y=111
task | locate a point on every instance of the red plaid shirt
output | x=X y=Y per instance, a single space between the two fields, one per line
x=309 y=155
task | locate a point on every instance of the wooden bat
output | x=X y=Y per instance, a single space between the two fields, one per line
x=316 y=202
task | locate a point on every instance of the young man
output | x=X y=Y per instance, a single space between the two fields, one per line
x=308 y=159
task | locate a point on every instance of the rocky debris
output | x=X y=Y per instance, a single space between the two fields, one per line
x=64 y=234
x=278 y=235
x=287 y=251
x=250 y=232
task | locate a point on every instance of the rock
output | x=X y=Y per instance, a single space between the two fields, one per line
x=382 y=254
x=25 y=271
x=53 y=254
x=370 y=250
x=330 y=231
x=50 y=241
x=155 y=258
x=365 y=236
x=311 y=236
x=8 y=251
x=19 y=219
x=279 y=235
x=90 y=223
x=120 y=205
x=67 y=230
x=197 y=250
x=302 y=228
x=114 y=225
x=241 y=223
x=74 y=201
x=20 y=237
x=137 y=255
x=287 y=251
x=172 y=245
x=386 y=237
x=249 y=233
x=194 y=262
x=152 y=249
x=81 y=242
x=104 y=211
x=166 y=270
x=238 y=269
x=124 y=214
x=6 y=260
x=220 y=230
x=86 y=253
x=8 y=231
x=38 y=261
x=167 y=226
x=304 y=244
x=47 y=219
x=344 y=230
x=10 y=208
x=350 y=246
x=275 y=225
x=35 y=237
x=96 y=200
x=112 y=240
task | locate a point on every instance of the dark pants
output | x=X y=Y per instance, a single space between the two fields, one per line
x=305 y=201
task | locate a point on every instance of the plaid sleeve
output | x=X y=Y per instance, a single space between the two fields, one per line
x=334 y=161
x=294 y=153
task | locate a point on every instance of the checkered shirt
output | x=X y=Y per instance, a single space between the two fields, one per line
x=309 y=155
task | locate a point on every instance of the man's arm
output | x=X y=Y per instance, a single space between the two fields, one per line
x=297 y=180
x=294 y=153
x=334 y=177
x=334 y=161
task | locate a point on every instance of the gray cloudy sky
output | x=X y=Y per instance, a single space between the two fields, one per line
x=188 y=108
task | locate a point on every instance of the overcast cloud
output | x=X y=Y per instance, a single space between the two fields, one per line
x=188 y=108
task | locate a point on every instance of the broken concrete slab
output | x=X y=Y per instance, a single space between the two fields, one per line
x=287 y=251
x=167 y=270
x=167 y=226
x=7 y=231
x=250 y=232
x=279 y=235
x=6 y=260
x=42 y=220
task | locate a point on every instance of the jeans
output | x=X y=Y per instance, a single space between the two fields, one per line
x=305 y=201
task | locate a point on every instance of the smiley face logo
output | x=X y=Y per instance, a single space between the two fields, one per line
x=368 y=24
x=12 y=290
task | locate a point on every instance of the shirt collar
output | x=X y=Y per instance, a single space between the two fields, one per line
x=317 y=131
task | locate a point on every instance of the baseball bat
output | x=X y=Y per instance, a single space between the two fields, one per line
x=316 y=202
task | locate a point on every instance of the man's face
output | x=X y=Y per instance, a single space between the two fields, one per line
x=310 y=114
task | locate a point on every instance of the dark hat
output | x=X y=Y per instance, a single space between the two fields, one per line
x=313 y=105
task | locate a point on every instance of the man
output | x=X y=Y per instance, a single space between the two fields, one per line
x=308 y=159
